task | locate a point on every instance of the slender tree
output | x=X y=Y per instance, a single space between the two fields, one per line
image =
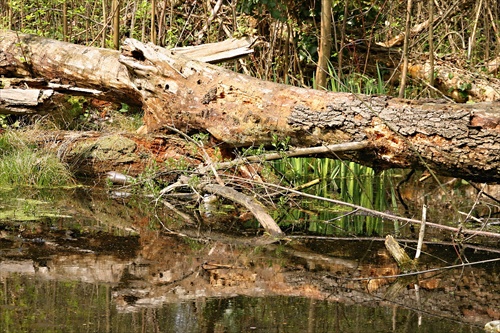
x=104 y=24
x=115 y=10
x=472 y=38
x=132 y=19
x=10 y=15
x=431 y=42
x=405 y=50
x=153 y=20
x=342 y=40
x=65 y=20
x=325 y=45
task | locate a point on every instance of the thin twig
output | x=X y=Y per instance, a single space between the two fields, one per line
x=383 y=214
x=341 y=147
x=425 y=271
x=421 y=234
x=207 y=158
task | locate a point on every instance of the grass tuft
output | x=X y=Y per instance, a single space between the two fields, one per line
x=24 y=165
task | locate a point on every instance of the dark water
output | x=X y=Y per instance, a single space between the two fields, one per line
x=77 y=262
x=34 y=305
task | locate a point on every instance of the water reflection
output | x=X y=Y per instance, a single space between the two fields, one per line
x=38 y=305
x=102 y=265
x=402 y=192
x=162 y=283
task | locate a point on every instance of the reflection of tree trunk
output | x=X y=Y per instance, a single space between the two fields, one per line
x=311 y=316
x=337 y=317
x=108 y=307
x=458 y=140
x=394 y=317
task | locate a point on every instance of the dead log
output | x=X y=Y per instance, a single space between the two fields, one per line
x=457 y=140
x=230 y=49
x=452 y=78
x=399 y=254
x=456 y=83
x=250 y=203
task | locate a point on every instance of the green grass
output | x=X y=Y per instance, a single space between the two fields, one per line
x=347 y=181
x=22 y=164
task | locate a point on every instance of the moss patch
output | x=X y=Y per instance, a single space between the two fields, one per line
x=114 y=148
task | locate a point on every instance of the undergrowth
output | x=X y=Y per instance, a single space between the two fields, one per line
x=23 y=164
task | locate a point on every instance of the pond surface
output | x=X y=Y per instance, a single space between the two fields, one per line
x=77 y=261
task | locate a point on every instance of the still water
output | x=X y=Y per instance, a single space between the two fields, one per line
x=55 y=306
x=95 y=264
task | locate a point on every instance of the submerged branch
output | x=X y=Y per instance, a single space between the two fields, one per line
x=389 y=215
x=398 y=253
x=251 y=204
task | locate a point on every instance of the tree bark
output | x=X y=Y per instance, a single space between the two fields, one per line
x=325 y=44
x=238 y=110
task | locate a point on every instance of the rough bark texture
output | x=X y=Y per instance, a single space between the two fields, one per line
x=457 y=140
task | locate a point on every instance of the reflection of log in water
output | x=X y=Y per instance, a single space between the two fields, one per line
x=169 y=269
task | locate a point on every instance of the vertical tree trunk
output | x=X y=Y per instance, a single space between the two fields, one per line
x=342 y=41
x=405 y=51
x=431 y=42
x=65 y=21
x=161 y=24
x=104 y=23
x=153 y=19
x=132 y=19
x=21 y=19
x=472 y=39
x=116 y=23
x=10 y=15
x=325 y=43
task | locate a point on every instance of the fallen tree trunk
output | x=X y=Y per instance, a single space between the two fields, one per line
x=452 y=79
x=457 y=83
x=451 y=139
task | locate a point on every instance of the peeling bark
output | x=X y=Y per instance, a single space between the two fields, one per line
x=237 y=110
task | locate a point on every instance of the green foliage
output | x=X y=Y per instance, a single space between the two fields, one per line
x=82 y=115
x=251 y=151
x=349 y=182
x=176 y=164
x=201 y=138
x=76 y=103
x=4 y=121
x=8 y=143
x=147 y=182
x=280 y=144
x=276 y=8
x=125 y=108
x=24 y=165
x=357 y=83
